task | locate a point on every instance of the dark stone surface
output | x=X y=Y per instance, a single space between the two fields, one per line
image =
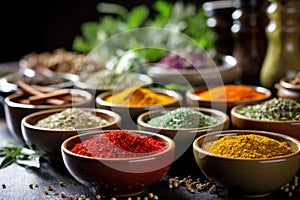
x=17 y=180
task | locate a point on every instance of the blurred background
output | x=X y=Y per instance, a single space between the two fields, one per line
x=37 y=26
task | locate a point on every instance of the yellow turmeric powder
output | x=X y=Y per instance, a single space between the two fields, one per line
x=248 y=146
x=137 y=96
x=231 y=93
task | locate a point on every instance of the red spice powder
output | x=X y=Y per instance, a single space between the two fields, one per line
x=118 y=144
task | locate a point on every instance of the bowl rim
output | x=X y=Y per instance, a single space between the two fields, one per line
x=177 y=97
x=284 y=82
x=81 y=84
x=168 y=141
x=10 y=103
x=295 y=141
x=235 y=114
x=190 y=93
x=221 y=115
x=69 y=79
x=228 y=65
x=26 y=124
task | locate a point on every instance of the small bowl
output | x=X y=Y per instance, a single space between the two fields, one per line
x=144 y=117
x=117 y=176
x=48 y=141
x=14 y=111
x=248 y=177
x=124 y=81
x=290 y=128
x=130 y=114
x=193 y=100
x=227 y=72
x=287 y=90
x=7 y=83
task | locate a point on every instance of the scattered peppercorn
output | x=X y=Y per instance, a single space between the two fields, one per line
x=71 y=197
x=46 y=192
x=62 y=184
x=63 y=195
x=3 y=186
x=291 y=187
x=192 y=184
x=31 y=186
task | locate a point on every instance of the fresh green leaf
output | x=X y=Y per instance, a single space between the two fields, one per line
x=8 y=160
x=20 y=155
x=136 y=17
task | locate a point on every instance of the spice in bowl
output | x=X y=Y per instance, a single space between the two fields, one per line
x=71 y=119
x=119 y=144
x=231 y=93
x=181 y=118
x=248 y=146
x=276 y=109
x=138 y=96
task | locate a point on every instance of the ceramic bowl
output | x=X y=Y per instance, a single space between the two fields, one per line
x=118 y=176
x=172 y=133
x=193 y=100
x=227 y=72
x=48 y=141
x=290 y=128
x=8 y=86
x=15 y=111
x=248 y=177
x=183 y=138
x=287 y=90
x=130 y=114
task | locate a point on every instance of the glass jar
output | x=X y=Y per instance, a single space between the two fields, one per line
x=250 y=42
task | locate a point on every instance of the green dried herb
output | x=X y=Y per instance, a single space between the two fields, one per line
x=71 y=119
x=183 y=118
x=276 y=109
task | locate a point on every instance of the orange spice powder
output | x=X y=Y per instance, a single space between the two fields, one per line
x=231 y=93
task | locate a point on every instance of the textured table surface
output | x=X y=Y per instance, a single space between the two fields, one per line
x=15 y=182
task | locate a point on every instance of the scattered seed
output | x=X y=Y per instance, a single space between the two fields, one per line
x=62 y=184
x=151 y=195
x=113 y=198
x=98 y=197
x=46 y=192
x=63 y=195
x=71 y=197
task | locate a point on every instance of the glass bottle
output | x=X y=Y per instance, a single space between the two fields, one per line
x=283 y=55
x=219 y=19
x=250 y=42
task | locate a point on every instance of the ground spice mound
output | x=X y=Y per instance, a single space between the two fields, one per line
x=137 y=96
x=248 y=146
x=119 y=144
x=231 y=93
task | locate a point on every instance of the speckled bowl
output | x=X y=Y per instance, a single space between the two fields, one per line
x=130 y=114
x=248 y=177
x=47 y=141
x=14 y=111
x=118 y=176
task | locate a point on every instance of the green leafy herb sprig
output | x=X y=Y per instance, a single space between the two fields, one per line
x=20 y=155
x=185 y=18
